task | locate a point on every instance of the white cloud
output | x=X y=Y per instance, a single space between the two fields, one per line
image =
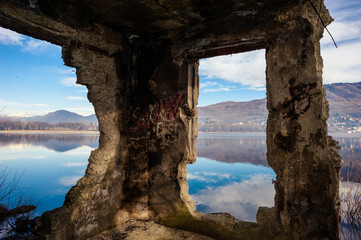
x=207 y=84
x=343 y=31
x=8 y=37
x=41 y=105
x=75 y=164
x=57 y=70
x=18 y=151
x=76 y=98
x=240 y=199
x=220 y=89
x=342 y=64
x=4 y=102
x=19 y=157
x=209 y=177
x=247 y=69
x=69 y=181
x=191 y=176
x=343 y=9
x=70 y=82
x=219 y=175
x=83 y=150
x=11 y=105
x=36 y=46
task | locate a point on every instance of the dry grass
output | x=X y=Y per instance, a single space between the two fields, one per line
x=350 y=194
x=16 y=210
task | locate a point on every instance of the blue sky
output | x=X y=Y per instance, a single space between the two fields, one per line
x=34 y=80
x=241 y=77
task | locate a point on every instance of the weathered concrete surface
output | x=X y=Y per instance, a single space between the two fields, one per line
x=304 y=158
x=139 y=61
x=136 y=230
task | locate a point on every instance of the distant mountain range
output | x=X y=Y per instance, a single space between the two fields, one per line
x=234 y=112
x=344 y=101
x=64 y=116
x=61 y=116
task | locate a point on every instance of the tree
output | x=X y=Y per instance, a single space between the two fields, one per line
x=16 y=211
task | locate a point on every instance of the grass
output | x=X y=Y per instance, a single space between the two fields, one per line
x=350 y=194
x=16 y=210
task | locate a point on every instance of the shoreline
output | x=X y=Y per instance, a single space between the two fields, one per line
x=230 y=132
x=97 y=132
x=45 y=132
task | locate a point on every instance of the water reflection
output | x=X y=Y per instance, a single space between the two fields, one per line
x=350 y=151
x=57 y=142
x=232 y=148
x=239 y=180
x=236 y=188
x=51 y=163
x=231 y=173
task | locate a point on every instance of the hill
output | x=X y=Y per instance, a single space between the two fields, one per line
x=61 y=116
x=61 y=120
x=235 y=112
x=344 y=101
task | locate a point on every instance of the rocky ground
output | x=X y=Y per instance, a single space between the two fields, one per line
x=136 y=230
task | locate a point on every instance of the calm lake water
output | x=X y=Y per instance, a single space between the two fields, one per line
x=231 y=173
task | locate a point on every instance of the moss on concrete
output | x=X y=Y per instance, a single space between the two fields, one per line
x=218 y=225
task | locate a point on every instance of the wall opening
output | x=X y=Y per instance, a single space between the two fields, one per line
x=47 y=125
x=231 y=173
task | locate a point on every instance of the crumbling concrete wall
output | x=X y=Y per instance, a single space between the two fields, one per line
x=144 y=88
x=146 y=107
x=299 y=150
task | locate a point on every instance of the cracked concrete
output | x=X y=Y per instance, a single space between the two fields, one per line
x=139 y=61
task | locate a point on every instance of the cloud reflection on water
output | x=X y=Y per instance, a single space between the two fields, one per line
x=75 y=164
x=69 y=181
x=240 y=199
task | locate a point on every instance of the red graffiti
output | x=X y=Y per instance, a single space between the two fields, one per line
x=173 y=109
x=169 y=106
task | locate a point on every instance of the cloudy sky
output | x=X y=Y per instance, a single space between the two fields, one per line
x=34 y=80
x=241 y=77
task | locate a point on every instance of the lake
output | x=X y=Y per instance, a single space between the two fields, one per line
x=231 y=173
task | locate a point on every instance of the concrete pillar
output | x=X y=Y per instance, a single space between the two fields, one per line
x=146 y=107
x=301 y=153
x=162 y=128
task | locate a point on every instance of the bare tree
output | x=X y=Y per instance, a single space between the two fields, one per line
x=351 y=206
x=16 y=211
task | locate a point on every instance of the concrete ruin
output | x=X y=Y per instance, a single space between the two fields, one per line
x=139 y=61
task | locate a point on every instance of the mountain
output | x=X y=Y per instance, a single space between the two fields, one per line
x=235 y=112
x=62 y=116
x=344 y=101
